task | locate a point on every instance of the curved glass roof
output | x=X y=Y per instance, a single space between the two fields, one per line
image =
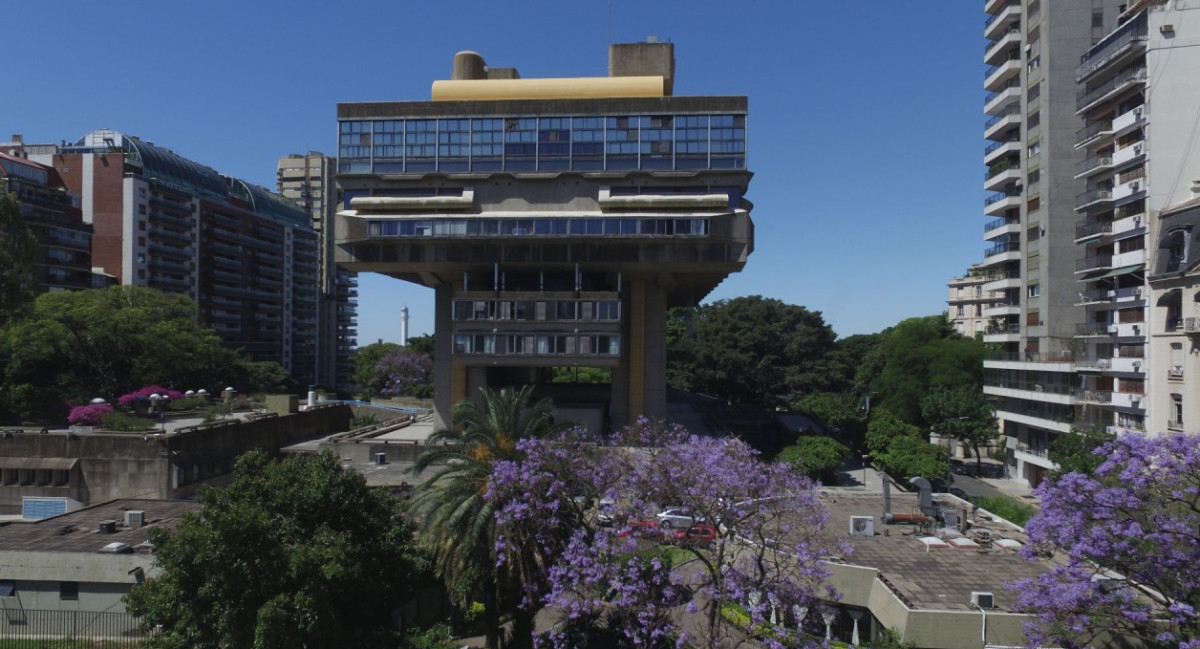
x=167 y=165
x=273 y=205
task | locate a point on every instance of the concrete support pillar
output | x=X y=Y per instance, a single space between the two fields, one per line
x=639 y=383
x=445 y=376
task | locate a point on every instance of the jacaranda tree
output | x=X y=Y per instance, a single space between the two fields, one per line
x=1131 y=535
x=615 y=591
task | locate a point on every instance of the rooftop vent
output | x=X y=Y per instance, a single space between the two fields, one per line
x=135 y=518
x=117 y=548
x=381 y=458
x=108 y=527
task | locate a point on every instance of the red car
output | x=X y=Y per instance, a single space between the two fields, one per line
x=642 y=530
x=701 y=535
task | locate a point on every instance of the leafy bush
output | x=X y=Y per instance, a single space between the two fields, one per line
x=911 y=457
x=1008 y=509
x=817 y=457
x=884 y=428
x=125 y=422
x=89 y=415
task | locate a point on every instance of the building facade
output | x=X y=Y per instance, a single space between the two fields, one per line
x=64 y=242
x=1032 y=52
x=308 y=180
x=556 y=220
x=246 y=256
x=968 y=301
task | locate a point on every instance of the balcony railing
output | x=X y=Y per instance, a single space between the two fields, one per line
x=1092 y=329
x=1009 y=85
x=1031 y=357
x=1001 y=167
x=1001 y=248
x=992 y=122
x=999 y=196
x=1086 y=97
x=1091 y=131
x=1011 y=328
x=1016 y=29
x=1091 y=229
x=1111 y=45
x=1095 y=396
x=1093 y=162
x=995 y=224
x=1093 y=196
x=1039 y=451
x=1030 y=386
x=1095 y=262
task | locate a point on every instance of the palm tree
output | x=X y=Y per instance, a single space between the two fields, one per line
x=458 y=525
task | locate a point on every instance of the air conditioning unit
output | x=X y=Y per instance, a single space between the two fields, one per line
x=1137 y=149
x=1137 y=221
x=1137 y=365
x=1135 y=185
x=982 y=599
x=862 y=526
x=1191 y=325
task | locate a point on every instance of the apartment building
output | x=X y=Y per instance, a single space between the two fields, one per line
x=246 y=256
x=968 y=301
x=555 y=219
x=1032 y=51
x=307 y=179
x=63 y=260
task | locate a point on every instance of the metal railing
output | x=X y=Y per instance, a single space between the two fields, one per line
x=995 y=224
x=1088 y=132
x=1096 y=195
x=1000 y=248
x=1012 y=328
x=1092 y=329
x=1111 y=45
x=992 y=122
x=1094 y=162
x=1094 y=262
x=1031 y=357
x=33 y=628
x=999 y=196
x=1012 y=83
x=1086 y=97
x=1089 y=229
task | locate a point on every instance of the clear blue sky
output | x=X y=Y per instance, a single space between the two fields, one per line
x=865 y=119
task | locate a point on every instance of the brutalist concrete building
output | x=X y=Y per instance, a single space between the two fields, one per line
x=556 y=219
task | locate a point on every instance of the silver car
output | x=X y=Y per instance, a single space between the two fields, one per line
x=678 y=517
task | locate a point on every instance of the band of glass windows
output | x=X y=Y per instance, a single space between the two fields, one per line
x=543 y=227
x=537 y=310
x=543 y=144
x=537 y=344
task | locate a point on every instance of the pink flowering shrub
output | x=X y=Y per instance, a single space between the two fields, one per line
x=127 y=400
x=1131 y=535
x=89 y=415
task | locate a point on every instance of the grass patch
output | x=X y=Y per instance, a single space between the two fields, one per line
x=125 y=423
x=1008 y=509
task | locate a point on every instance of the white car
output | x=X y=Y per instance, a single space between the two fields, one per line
x=680 y=517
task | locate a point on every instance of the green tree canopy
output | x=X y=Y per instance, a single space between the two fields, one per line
x=293 y=553
x=365 y=360
x=841 y=410
x=885 y=428
x=107 y=342
x=919 y=355
x=912 y=457
x=819 y=458
x=1074 y=452
x=962 y=413
x=17 y=249
x=756 y=351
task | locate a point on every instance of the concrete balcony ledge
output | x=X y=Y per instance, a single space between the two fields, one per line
x=413 y=203
x=650 y=202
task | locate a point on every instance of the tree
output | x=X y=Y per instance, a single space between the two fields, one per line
x=760 y=352
x=885 y=428
x=912 y=457
x=842 y=411
x=366 y=359
x=848 y=355
x=17 y=249
x=819 y=458
x=919 y=355
x=268 y=377
x=458 y=524
x=78 y=345
x=1075 y=452
x=963 y=413
x=611 y=590
x=1131 y=535
x=292 y=553
x=403 y=372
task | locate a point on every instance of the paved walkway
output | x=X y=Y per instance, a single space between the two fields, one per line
x=855 y=477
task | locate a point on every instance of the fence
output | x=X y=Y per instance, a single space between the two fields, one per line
x=40 y=629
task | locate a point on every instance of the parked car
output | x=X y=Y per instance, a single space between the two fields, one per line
x=642 y=530
x=701 y=535
x=680 y=517
x=605 y=511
